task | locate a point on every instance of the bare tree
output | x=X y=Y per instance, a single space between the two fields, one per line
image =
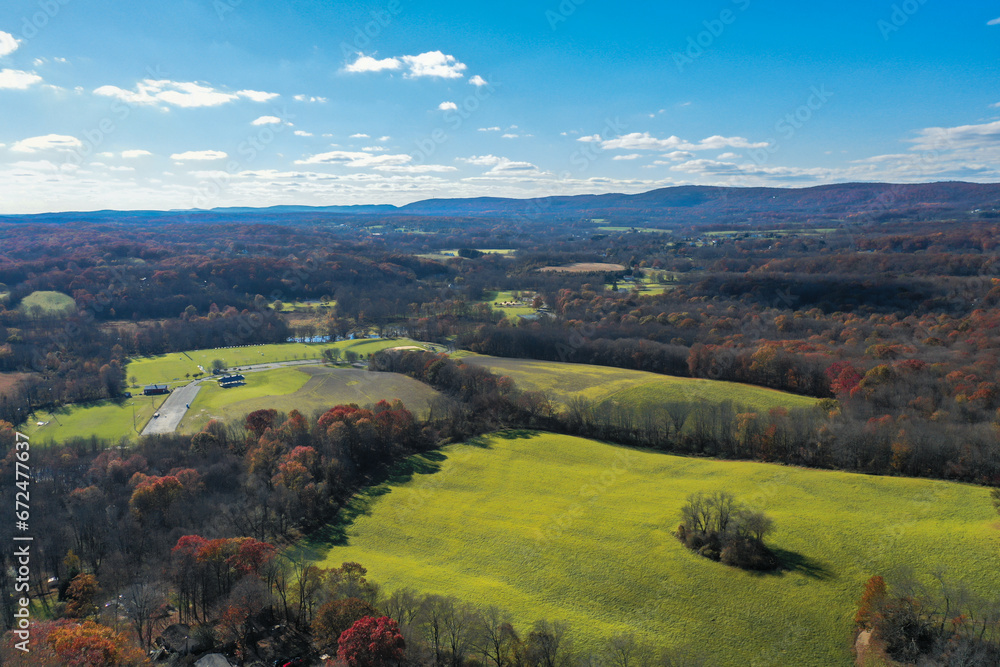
x=495 y=636
x=145 y=607
x=460 y=623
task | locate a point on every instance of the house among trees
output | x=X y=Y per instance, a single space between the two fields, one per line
x=155 y=390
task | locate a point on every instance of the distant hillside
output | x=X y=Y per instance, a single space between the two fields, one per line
x=705 y=204
x=665 y=207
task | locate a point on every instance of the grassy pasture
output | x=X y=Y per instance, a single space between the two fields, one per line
x=108 y=420
x=48 y=303
x=563 y=381
x=556 y=527
x=306 y=389
x=512 y=312
x=171 y=368
x=297 y=306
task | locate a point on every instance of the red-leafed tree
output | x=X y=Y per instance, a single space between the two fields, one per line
x=259 y=421
x=372 y=642
x=843 y=377
x=872 y=601
x=333 y=618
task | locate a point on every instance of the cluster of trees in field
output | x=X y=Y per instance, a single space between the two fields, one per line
x=720 y=528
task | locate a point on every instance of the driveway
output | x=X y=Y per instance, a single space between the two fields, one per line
x=173 y=410
x=175 y=407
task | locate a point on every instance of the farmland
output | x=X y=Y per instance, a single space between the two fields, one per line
x=306 y=389
x=105 y=420
x=563 y=381
x=178 y=367
x=569 y=529
x=511 y=312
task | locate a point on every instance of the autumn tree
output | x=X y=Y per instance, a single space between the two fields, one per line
x=81 y=596
x=336 y=616
x=372 y=642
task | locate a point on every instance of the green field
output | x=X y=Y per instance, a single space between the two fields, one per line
x=176 y=367
x=108 y=420
x=511 y=312
x=563 y=528
x=306 y=389
x=48 y=303
x=299 y=306
x=563 y=381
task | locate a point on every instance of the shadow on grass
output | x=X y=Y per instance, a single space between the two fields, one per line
x=513 y=434
x=334 y=534
x=792 y=561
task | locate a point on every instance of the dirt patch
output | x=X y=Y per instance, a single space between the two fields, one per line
x=584 y=267
x=405 y=347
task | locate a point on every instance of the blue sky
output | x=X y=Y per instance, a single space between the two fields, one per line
x=204 y=103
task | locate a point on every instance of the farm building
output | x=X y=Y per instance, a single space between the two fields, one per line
x=227 y=381
x=156 y=390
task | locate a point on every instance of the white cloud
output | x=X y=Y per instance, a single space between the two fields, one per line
x=359 y=135
x=478 y=81
x=59 y=142
x=430 y=64
x=678 y=155
x=355 y=159
x=128 y=155
x=510 y=135
x=632 y=156
x=482 y=160
x=267 y=120
x=512 y=168
x=448 y=106
x=15 y=79
x=257 y=96
x=384 y=138
x=501 y=166
x=8 y=43
x=375 y=149
x=489 y=129
x=963 y=136
x=434 y=64
x=415 y=168
x=368 y=64
x=645 y=141
x=728 y=156
x=179 y=94
x=590 y=138
x=303 y=133
x=308 y=98
x=995 y=21
x=199 y=155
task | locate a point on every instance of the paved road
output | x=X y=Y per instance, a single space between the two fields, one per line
x=175 y=407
